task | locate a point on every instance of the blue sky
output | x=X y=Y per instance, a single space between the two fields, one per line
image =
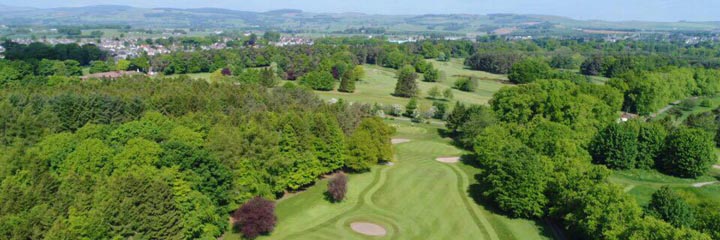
x=614 y=10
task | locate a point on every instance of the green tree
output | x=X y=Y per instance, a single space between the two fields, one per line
x=688 y=153
x=434 y=92
x=448 y=94
x=431 y=75
x=529 y=70
x=651 y=139
x=321 y=81
x=616 y=146
x=466 y=84
x=407 y=83
x=667 y=205
x=514 y=175
x=411 y=109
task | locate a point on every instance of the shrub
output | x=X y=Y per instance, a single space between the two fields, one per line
x=466 y=84
x=255 y=217
x=337 y=187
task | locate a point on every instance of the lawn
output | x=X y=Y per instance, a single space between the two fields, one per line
x=415 y=198
x=379 y=83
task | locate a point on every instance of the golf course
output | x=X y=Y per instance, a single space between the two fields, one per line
x=414 y=197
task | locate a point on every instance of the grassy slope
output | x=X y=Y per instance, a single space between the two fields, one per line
x=379 y=83
x=641 y=184
x=416 y=198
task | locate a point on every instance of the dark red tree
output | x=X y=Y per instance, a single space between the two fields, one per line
x=337 y=187
x=226 y=72
x=255 y=217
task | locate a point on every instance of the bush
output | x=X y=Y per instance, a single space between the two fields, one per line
x=466 y=84
x=337 y=187
x=255 y=217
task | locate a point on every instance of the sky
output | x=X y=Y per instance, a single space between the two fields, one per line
x=612 y=10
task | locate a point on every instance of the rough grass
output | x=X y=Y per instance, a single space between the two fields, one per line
x=416 y=198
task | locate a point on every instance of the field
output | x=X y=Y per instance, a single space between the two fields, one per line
x=379 y=83
x=415 y=198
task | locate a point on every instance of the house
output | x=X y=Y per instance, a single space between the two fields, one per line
x=626 y=116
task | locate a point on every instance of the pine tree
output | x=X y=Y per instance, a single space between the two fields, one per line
x=407 y=82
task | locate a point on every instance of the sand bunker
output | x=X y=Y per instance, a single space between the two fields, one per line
x=369 y=229
x=716 y=166
x=399 y=140
x=448 y=159
x=702 y=184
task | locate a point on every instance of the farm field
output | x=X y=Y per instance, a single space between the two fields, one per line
x=415 y=198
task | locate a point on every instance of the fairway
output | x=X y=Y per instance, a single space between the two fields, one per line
x=379 y=83
x=415 y=198
x=641 y=184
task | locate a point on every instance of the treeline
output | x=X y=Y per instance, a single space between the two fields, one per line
x=38 y=51
x=532 y=147
x=165 y=158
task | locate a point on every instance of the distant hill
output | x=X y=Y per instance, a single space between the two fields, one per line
x=297 y=20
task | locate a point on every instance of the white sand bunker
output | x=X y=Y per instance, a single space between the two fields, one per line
x=369 y=229
x=702 y=184
x=716 y=166
x=448 y=159
x=399 y=140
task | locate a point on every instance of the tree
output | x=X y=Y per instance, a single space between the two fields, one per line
x=466 y=84
x=100 y=66
x=321 y=81
x=688 y=153
x=671 y=207
x=347 y=84
x=337 y=187
x=407 y=82
x=514 y=176
x=529 y=70
x=615 y=146
x=431 y=75
x=411 y=109
x=650 y=228
x=448 y=94
x=123 y=65
x=494 y=62
x=563 y=61
x=602 y=211
x=434 y=92
x=440 y=109
x=651 y=139
x=255 y=217
x=592 y=66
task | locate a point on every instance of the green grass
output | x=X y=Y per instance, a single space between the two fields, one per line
x=379 y=83
x=416 y=198
x=641 y=184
